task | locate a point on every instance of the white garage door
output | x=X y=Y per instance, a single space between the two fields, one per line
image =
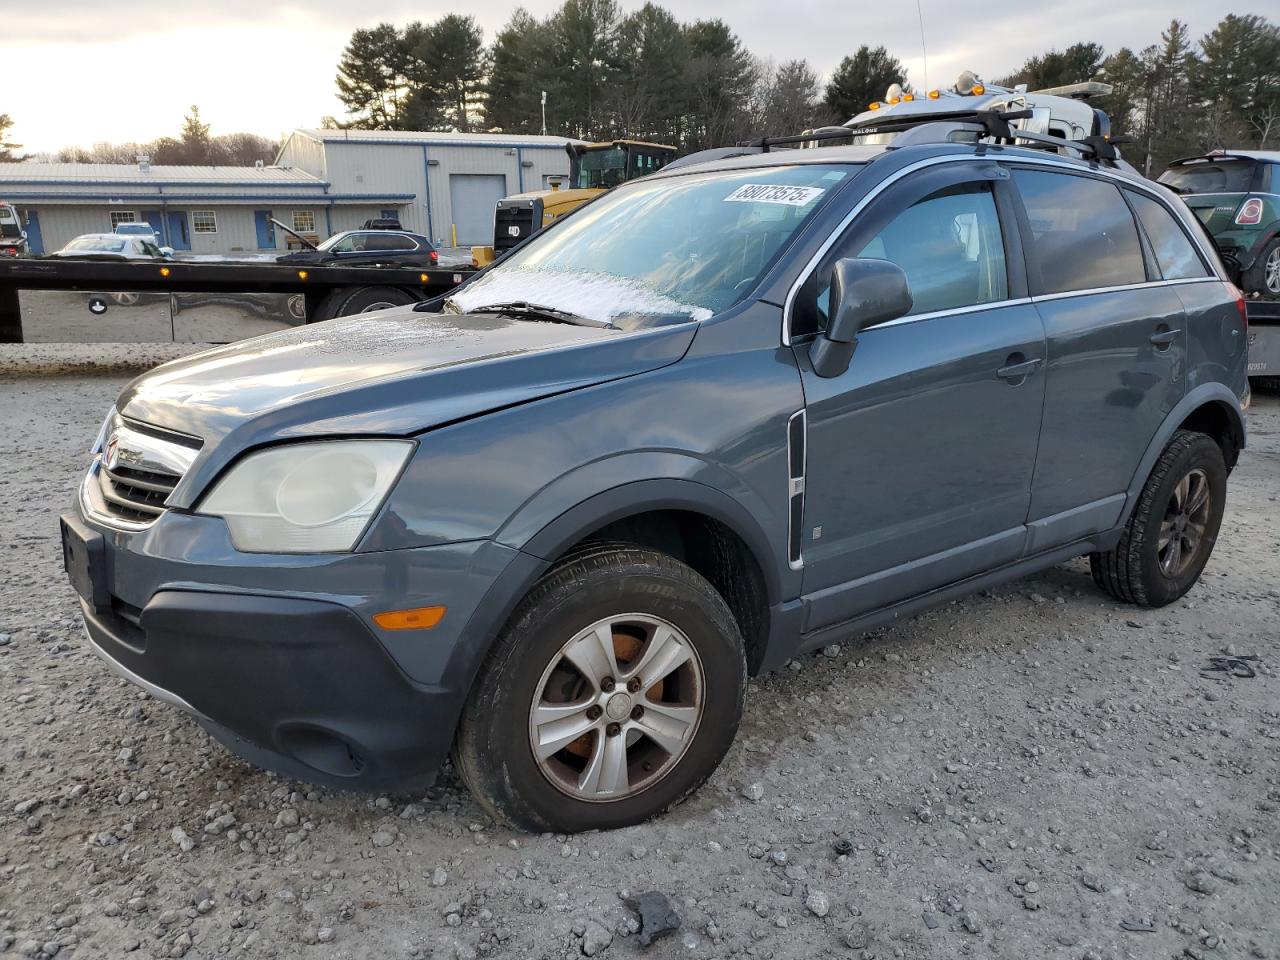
x=473 y=198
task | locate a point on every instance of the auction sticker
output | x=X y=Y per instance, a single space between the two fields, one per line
x=774 y=193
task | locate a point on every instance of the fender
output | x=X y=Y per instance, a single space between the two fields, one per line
x=1201 y=395
x=584 y=500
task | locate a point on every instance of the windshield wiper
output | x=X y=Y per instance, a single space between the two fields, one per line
x=537 y=311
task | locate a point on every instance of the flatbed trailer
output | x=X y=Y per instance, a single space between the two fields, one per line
x=1264 y=337
x=50 y=300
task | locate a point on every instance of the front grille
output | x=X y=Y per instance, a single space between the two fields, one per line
x=512 y=224
x=135 y=495
x=138 y=469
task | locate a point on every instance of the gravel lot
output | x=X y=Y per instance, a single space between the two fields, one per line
x=1033 y=773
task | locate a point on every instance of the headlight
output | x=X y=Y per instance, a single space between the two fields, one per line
x=306 y=497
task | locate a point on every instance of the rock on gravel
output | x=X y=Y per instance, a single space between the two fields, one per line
x=657 y=917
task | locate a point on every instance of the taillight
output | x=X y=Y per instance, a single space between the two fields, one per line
x=433 y=256
x=1240 y=304
x=1250 y=214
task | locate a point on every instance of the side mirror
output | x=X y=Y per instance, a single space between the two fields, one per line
x=863 y=294
x=167 y=252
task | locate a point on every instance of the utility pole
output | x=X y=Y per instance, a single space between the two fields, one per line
x=544 y=113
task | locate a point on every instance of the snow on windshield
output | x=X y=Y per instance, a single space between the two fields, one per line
x=596 y=296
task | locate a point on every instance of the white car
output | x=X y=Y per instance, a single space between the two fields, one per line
x=140 y=229
x=113 y=246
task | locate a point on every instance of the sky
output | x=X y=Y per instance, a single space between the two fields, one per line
x=127 y=70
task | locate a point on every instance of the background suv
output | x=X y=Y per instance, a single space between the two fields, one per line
x=369 y=248
x=1236 y=195
x=717 y=418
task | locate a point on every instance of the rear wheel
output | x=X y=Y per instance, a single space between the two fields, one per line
x=1263 y=277
x=369 y=299
x=614 y=691
x=1173 y=528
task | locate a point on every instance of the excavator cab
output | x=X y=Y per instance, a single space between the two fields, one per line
x=593 y=169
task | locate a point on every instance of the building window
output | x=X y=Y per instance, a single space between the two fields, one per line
x=121 y=216
x=304 y=221
x=204 y=221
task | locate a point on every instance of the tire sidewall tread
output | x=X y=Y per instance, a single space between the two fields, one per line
x=492 y=751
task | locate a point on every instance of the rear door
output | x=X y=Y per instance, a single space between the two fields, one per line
x=920 y=456
x=1117 y=349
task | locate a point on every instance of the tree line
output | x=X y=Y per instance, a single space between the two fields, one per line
x=1179 y=97
x=642 y=74
x=647 y=75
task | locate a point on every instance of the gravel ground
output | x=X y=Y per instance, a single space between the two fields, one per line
x=1032 y=773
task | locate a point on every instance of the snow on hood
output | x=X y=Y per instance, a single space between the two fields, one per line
x=596 y=296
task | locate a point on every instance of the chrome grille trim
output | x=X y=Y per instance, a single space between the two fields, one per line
x=138 y=467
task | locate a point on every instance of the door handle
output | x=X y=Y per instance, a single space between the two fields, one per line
x=1162 y=338
x=1018 y=369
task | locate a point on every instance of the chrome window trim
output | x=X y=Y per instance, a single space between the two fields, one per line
x=1120 y=180
x=1065 y=294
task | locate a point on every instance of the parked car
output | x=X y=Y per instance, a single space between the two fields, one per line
x=383 y=223
x=1236 y=195
x=724 y=416
x=368 y=248
x=142 y=230
x=13 y=239
x=112 y=246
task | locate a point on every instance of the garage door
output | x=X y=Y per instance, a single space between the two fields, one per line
x=473 y=198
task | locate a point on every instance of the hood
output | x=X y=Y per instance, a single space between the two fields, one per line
x=392 y=373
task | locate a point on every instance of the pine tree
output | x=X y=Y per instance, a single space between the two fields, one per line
x=861 y=79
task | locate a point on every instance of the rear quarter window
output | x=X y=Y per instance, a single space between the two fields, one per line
x=1173 y=249
x=1083 y=236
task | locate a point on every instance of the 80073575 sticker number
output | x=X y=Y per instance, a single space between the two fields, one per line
x=775 y=193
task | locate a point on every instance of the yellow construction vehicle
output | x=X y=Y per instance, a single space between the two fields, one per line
x=593 y=169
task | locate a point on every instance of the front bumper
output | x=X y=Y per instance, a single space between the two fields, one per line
x=278 y=656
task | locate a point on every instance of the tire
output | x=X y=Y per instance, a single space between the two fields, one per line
x=369 y=299
x=1142 y=569
x=634 y=595
x=1263 y=278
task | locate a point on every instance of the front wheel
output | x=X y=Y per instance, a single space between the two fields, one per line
x=614 y=691
x=1173 y=527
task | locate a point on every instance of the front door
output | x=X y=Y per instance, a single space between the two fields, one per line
x=179 y=230
x=920 y=456
x=30 y=220
x=1116 y=348
x=265 y=229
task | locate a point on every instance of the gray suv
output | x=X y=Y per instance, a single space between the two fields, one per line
x=717 y=418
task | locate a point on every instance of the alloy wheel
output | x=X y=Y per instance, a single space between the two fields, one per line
x=1271 y=272
x=617 y=707
x=1186 y=516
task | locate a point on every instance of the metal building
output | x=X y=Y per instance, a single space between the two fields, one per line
x=205 y=210
x=455 y=179
x=444 y=185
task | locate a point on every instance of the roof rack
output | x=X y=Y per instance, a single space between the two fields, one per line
x=974 y=126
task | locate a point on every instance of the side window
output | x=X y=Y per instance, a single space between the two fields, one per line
x=1174 y=251
x=1082 y=233
x=347 y=244
x=388 y=241
x=948 y=244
